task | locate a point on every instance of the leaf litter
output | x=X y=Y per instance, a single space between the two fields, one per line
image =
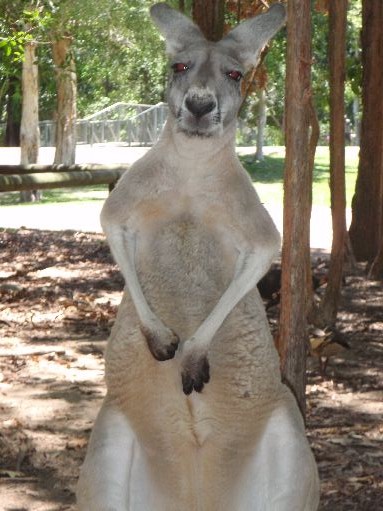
x=59 y=293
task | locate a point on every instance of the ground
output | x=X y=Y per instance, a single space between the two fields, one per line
x=59 y=293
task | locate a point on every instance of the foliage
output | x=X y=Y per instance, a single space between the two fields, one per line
x=120 y=56
x=12 y=47
x=275 y=59
x=118 y=52
x=22 y=22
x=320 y=69
x=125 y=63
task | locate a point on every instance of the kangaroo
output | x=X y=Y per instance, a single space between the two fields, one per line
x=196 y=417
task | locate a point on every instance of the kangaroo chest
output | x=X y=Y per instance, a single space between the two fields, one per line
x=183 y=257
x=182 y=229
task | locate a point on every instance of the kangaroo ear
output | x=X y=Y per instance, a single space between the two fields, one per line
x=179 y=31
x=252 y=35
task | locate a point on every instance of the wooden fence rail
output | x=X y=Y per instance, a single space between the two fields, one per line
x=15 y=178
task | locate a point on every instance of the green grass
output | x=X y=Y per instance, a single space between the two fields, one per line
x=268 y=175
x=60 y=195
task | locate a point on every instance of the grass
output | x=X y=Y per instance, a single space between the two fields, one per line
x=60 y=195
x=267 y=176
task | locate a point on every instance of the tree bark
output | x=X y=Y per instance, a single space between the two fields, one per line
x=209 y=16
x=337 y=58
x=29 y=127
x=66 y=101
x=292 y=342
x=376 y=270
x=366 y=226
x=261 y=124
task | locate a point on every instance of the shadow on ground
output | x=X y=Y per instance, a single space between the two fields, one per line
x=59 y=295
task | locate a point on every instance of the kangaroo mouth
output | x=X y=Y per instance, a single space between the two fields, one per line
x=194 y=126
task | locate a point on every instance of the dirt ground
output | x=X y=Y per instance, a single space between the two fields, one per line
x=59 y=293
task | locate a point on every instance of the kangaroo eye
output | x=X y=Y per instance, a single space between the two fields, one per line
x=180 y=67
x=234 y=75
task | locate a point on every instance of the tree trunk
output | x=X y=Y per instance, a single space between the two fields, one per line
x=13 y=113
x=261 y=124
x=337 y=58
x=376 y=270
x=366 y=225
x=29 y=128
x=355 y=114
x=66 y=101
x=209 y=16
x=292 y=342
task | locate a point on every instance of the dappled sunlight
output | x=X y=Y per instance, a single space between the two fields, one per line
x=42 y=421
x=346 y=440
x=51 y=393
x=268 y=174
x=57 y=272
x=345 y=405
x=55 y=319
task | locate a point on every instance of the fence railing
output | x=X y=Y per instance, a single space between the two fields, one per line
x=124 y=123
x=14 y=178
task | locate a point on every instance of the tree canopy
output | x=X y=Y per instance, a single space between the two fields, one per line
x=120 y=57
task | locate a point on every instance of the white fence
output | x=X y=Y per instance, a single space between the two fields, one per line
x=126 y=123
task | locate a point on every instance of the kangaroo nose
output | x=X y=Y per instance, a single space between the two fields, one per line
x=200 y=107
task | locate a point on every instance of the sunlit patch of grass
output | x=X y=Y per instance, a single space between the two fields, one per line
x=268 y=175
x=60 y=195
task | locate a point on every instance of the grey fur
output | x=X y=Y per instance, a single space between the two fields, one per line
x=178 y=30
x=195 y=417
x=251 y=36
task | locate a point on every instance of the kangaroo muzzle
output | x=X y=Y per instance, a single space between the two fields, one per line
x=200 y=106
x=199 y=114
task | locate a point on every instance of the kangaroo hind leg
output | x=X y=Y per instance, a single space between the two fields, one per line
x=113 y=475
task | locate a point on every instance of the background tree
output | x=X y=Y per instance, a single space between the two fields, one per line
x=24 y=21
x=326 y=315
x=66 y=100
x=376 y=270
x=261 y=123
x=67 y=14
x=12 y=97
x=29 y=127
x=353 y=82
x=292 y=340
x=13 y=37
x=125 y=61
x=209 y=16
x=366 y=226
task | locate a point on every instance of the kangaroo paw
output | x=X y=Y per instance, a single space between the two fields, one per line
x=195 y=373
x=162 y=343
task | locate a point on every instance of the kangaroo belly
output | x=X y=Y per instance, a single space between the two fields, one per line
x=184 y=268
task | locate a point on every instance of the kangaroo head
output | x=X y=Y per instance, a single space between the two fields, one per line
x=204 y=93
